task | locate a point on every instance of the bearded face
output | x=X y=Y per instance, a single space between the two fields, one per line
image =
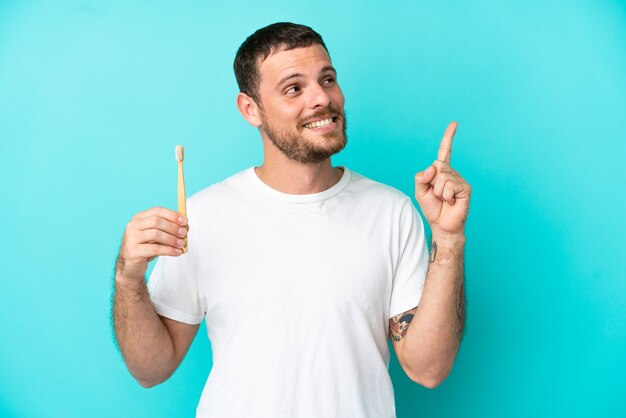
x=300 y=106
x=320 y=136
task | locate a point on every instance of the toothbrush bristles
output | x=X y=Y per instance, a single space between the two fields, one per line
x=180 y=153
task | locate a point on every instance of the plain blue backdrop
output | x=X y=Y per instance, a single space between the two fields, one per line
x=95 y=95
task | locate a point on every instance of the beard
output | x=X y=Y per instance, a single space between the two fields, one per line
x=298 y=147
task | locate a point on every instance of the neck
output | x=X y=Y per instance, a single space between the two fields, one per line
x=293 y=177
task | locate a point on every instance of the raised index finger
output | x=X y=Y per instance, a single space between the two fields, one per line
x=445 y=149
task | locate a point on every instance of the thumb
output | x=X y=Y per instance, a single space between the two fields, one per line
x=422 y=181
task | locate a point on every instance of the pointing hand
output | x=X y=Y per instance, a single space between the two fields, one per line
x=443 y=195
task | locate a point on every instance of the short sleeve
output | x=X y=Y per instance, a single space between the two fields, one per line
x=412 y=265
x=173 y=288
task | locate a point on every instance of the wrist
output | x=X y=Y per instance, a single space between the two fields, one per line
x=126 y=281
x=447 y=251
x=448 y=240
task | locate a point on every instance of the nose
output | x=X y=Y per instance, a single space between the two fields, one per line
x=319 y=97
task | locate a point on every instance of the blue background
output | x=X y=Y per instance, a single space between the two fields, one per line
x=95 y=95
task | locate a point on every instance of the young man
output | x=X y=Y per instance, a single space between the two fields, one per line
x=301 y=270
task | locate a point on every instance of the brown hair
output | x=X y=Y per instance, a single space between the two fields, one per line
x=264 y=42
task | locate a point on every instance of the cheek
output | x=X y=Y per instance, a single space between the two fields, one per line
x=283 y=114
x=338 y=98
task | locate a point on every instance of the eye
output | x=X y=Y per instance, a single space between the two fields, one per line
x=292 y=90
x=329 y=80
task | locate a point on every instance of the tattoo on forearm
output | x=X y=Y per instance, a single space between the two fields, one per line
x=399 y=324
x=433 y=252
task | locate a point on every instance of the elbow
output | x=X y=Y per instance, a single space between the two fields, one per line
x=429 y=382
x=150 y=381
x=430 y=372
x=150 y=375
x=147 y=384
x=430 y=379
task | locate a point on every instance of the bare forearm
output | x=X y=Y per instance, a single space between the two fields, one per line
x=145 y=343
x=433 y=338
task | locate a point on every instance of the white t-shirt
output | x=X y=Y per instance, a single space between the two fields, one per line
x=297 y=292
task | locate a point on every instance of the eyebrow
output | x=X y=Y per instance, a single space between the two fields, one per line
x=298 y=75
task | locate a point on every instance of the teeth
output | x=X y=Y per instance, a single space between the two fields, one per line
x=319 y=123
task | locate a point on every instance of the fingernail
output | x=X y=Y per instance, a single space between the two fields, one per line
x=182 y=231
x=180 y=243
x=427 y=171
x=182 y=220
x=179 y=250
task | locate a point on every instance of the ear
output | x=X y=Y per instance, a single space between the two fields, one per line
x=249 y=109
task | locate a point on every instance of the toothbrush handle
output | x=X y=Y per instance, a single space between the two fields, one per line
x=182 y=200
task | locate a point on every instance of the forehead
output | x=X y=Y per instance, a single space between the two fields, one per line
x=307 y=61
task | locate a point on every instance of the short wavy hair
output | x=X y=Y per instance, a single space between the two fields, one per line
x=264 y=42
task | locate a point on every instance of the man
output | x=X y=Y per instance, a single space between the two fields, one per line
x=301 y=270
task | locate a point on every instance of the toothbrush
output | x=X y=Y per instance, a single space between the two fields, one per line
x=182 y=200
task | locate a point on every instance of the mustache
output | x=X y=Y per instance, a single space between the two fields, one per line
x=330 y=111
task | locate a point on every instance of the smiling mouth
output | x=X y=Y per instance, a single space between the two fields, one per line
x=320 y=123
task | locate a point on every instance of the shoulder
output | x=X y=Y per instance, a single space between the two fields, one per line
x=224 y=189
x=388 y=203
x=370 y=188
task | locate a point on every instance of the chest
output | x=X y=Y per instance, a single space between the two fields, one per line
x=304 y=260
